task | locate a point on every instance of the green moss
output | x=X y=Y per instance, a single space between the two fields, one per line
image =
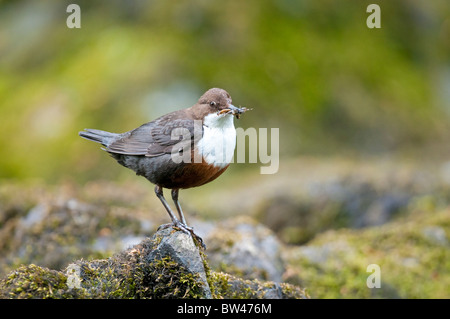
x=35 y=282
x=164 y=278
x=126 y=275
x=230 y=287
x=59 y=230
x=225 y=286
x=130 y=275
x=413 y=264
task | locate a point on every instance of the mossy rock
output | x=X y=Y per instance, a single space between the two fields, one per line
x=412 y=253
x=152 y=269
x=245 y=248
x=231 y=287
x=35 y=282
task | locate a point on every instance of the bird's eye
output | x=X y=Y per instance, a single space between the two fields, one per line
x=212 y=103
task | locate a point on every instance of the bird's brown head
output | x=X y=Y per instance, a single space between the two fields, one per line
x=218 y=101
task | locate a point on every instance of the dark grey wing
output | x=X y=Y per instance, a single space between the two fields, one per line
x=135 y=142
x=154 y=138
x=171 y=134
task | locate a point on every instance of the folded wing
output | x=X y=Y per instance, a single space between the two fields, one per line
x=155 y=138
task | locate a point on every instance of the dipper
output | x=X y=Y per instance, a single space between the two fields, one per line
x=156 y=151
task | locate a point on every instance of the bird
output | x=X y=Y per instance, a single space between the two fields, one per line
x=182 y=149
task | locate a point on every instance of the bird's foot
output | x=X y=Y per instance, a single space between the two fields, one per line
x=184 y=228
x=189 y=230
x=164 y=226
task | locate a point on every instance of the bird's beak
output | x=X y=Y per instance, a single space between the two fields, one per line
x=234 y=110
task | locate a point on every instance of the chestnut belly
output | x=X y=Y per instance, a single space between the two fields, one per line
x=164 y=172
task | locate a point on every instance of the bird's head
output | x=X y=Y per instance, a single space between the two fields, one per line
x=218 y=101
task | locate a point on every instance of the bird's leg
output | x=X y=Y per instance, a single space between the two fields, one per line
x=177 y=204
x=175 y=222
x=183 y=220
x=160 y=195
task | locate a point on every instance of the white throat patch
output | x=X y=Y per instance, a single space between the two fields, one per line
x=219 y=139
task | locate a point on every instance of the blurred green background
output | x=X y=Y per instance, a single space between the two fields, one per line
x=363 y=115
x=312 y=68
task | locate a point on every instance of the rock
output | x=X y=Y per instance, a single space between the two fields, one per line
x=230 y=287
x=436 y=235
x=243 y=247
x=35 y=282
x=329 y=251
x=167 y=265
x=55 y=232
x=180 y=248
x=347 y=202
x=412 y=253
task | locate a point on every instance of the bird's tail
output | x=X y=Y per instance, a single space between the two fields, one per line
x=98 y=136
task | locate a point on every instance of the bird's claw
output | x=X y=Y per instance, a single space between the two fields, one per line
x=190 y=230
x=186 y=229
